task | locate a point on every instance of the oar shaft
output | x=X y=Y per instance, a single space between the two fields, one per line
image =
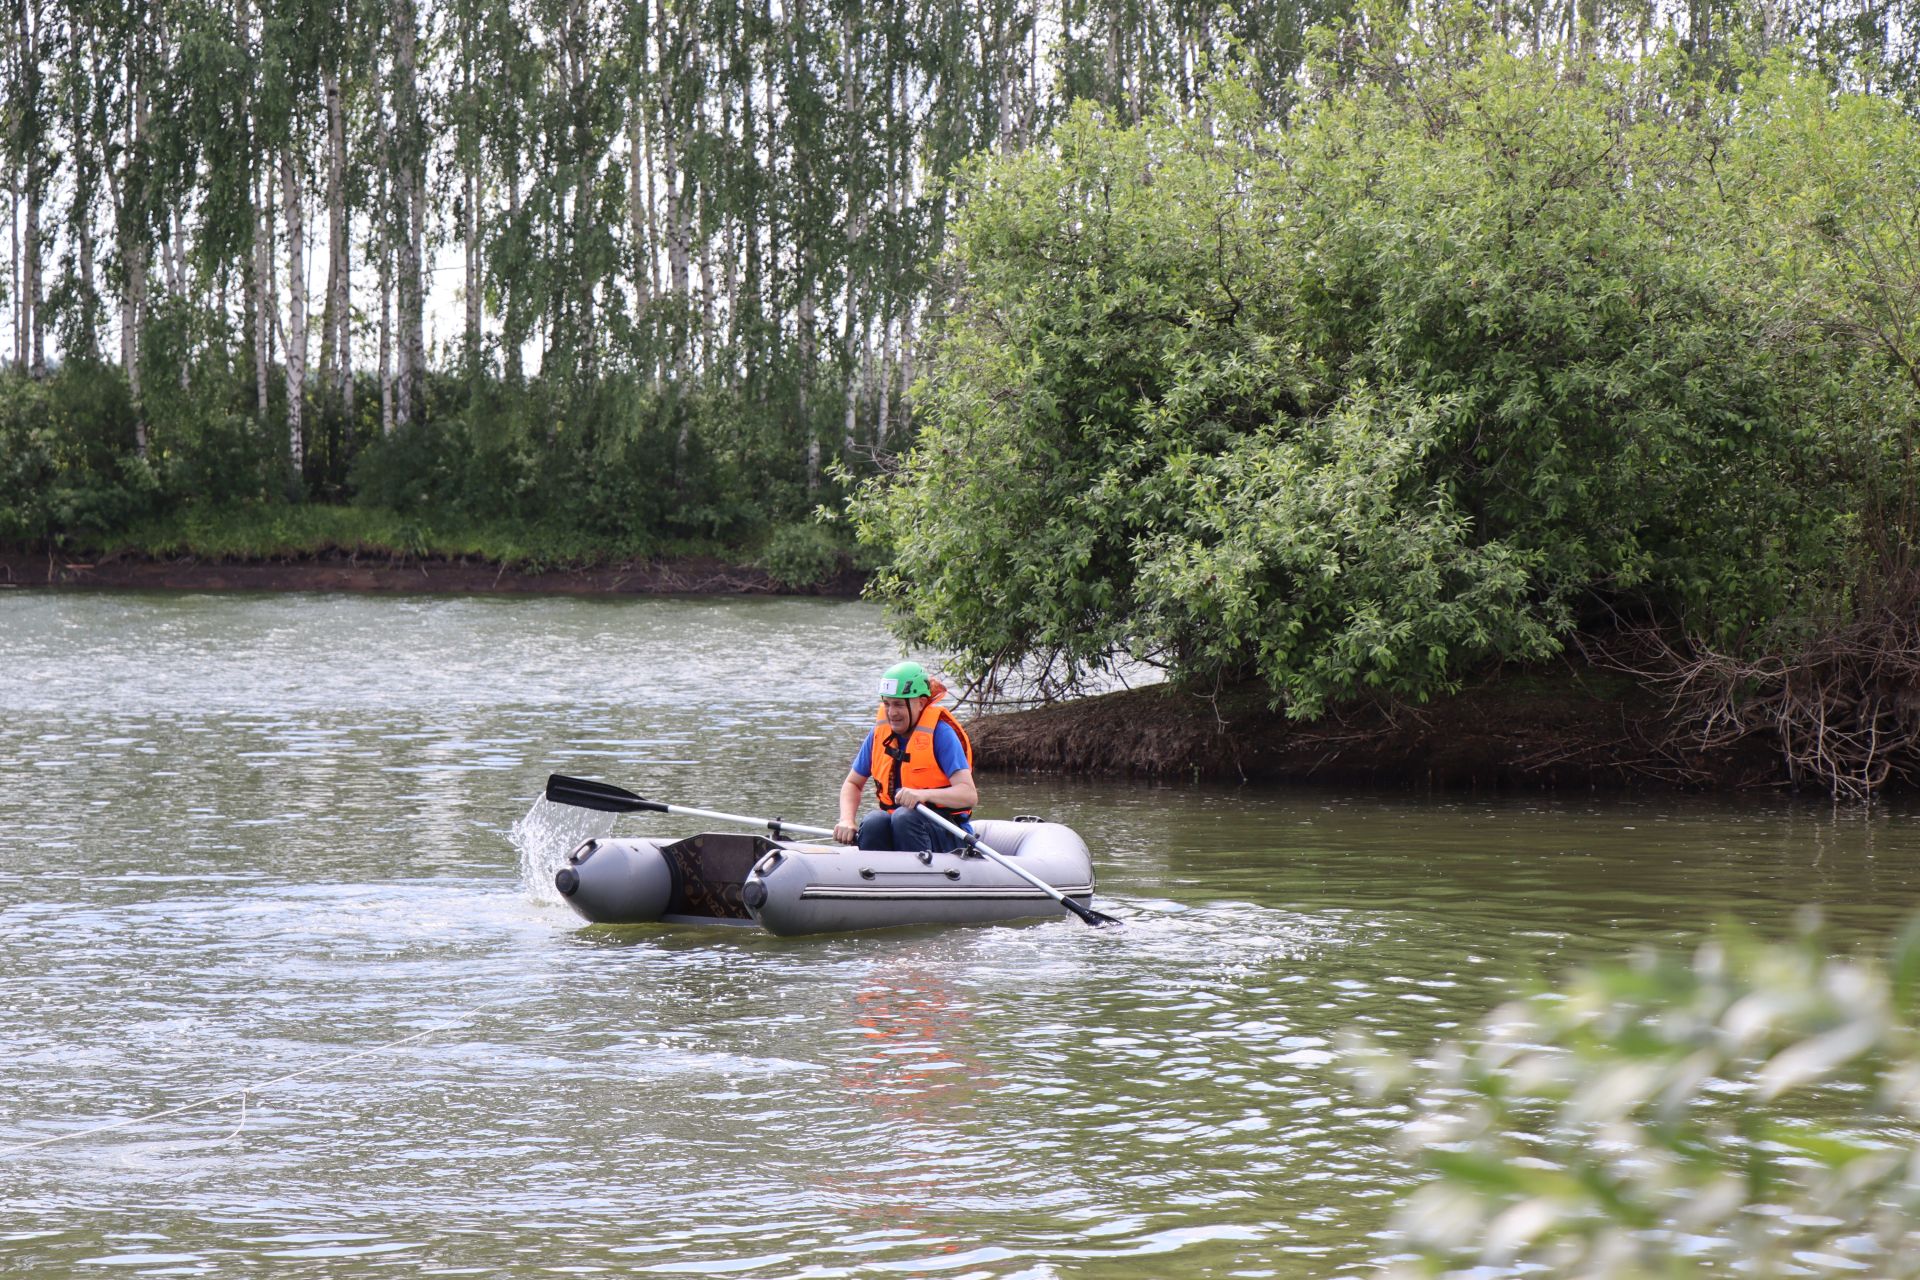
x=744 y=820
x=974 y=842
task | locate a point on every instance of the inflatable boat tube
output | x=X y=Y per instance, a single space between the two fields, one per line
x=792 y=887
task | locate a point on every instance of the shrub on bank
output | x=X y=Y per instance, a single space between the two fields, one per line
x=67 y=469
x=547 y=473
x=269 y=531
x=800 y=555
x=1479 y=350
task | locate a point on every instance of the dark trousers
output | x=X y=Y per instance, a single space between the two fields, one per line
x=909 y=829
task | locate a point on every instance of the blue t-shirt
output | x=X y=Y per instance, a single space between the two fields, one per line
x=952 y=757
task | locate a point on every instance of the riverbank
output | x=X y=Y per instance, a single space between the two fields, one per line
x=407 y=574
x=1560 y=729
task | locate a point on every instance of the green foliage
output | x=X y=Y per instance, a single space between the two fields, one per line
x=801 y=554
x=66 y=472
x=553 y=472
x=263 y=531
x=613 y=458
x=1478 y=346
x=1749 y=1110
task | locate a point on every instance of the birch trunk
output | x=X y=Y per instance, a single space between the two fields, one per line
x=129 y=326
x=884 y=409
x=19 y=354
x=852 y=418
x=386 y=343
x=82 y=222
x=679 y=235
x=749 y=308
x=410 y=211
x=513 y=337
x=470 y=210
x=899 y=178
x=855 y=227
x=30 y=282
x=332 y=348
x=34 y=353
x=132 y=246
x=133 y=309
x=383 y=244
x=806 y=373
x=475 y=289
x=771 y=299
x=292 y=208
x=417 y=279
x=906 y=358
x=636 y=204
x=653 y=269
x=707 y=292
x=262 y=286
x=177 y=255
x=730 y=253
x=340 y=289
x=580 y=37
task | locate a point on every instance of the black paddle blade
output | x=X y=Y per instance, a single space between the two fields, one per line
x=1092 y=917
x=582 y=793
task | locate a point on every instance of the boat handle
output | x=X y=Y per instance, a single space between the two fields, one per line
x=951 y=873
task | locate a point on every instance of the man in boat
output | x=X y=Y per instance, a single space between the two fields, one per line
x=917 y=754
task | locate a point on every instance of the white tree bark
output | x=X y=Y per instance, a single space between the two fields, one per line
x=410 y=189
x=262 y=284
x=383 y=243
x=475 y=289
x=336 y=328
x=636 y=202
x=293 y=209
x=28 y=53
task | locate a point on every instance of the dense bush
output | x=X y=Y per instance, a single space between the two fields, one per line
x=802 y=554
x=609 y=466
x=616 y=459
x=1479 y=347
x=67 y=468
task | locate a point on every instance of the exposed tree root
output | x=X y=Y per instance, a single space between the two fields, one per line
x=1843 y=708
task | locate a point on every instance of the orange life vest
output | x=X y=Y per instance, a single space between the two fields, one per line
x=915 y=765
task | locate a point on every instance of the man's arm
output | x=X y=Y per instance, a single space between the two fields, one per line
x=959 y=793
x=846 y=831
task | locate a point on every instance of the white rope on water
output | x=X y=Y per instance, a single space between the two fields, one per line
x=242 y=1092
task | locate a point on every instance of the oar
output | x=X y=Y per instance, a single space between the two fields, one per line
x=584 y=794
x=974 y=842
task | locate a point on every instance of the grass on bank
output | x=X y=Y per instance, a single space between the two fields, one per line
x=294 y=532
x=795 y=555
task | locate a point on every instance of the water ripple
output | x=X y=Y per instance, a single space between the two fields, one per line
x=243 y=839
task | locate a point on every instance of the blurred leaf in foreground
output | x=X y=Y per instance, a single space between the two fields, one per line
x=1752 y=1109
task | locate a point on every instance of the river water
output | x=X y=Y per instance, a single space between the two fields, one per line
x=250 y=842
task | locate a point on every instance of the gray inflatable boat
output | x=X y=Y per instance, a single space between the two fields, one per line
x=794 y=887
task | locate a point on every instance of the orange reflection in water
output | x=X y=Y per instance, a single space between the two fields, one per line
x=917 y=1065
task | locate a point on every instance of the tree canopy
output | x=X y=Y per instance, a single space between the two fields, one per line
x=652 y=268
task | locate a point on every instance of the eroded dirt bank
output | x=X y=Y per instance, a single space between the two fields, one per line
x=1559 y=730
x=411 y=575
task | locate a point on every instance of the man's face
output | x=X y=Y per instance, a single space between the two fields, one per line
x=899 y=713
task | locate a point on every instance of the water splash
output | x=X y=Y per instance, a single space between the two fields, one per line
x=545 y=836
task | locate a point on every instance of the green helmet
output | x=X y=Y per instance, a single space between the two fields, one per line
x=905 y=680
